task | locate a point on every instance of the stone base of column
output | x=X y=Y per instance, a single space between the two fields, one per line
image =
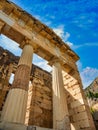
x=12 y=126
x=17 y=126
x=14 y=109
x=64 y=124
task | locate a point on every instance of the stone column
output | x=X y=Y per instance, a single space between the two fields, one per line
x=60 y=110
x=15 y=106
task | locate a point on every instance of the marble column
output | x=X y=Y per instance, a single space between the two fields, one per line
x=15 y=106
x=60 y=110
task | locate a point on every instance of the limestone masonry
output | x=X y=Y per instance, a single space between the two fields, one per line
x=37 y=99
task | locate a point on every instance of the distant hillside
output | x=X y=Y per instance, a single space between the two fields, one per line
x=92 y=94
x=93 y=87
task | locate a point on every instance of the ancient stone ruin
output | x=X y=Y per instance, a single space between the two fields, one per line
x=51 y=101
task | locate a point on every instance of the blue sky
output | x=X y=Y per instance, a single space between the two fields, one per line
x=75 y=21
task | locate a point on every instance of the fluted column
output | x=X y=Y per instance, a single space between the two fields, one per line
x=15 y=106
x=60 y=110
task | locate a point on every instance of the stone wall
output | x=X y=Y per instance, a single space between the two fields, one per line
x=79 y=111
x=39 y=110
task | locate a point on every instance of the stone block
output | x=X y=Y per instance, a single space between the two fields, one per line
x=37 y=128
x=75 y=126
x=84 y=124
x=77 y=96
x=48 y=102
x=45 y=106
x=77 y=103
x=38 y=94
x=79 y=109
x=72 y=83
x=47 y=89
x=12 y=126
x=80 y=116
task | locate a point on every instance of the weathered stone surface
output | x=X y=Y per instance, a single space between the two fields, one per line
x=40 y=110
x=6 y=59
x=60 y=108
x=21 y=78
x=12 y=126
x=80 y=116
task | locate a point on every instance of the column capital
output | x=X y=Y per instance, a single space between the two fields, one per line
x=25 y=42
x=54 y=61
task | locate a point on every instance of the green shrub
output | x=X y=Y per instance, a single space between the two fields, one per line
x=92 y=110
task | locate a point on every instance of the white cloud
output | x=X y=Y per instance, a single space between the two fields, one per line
x=48 y=23
x=43 y=65
x=66 y=36
x=79 y=65
x=37 y=17
x=43 y=20
x=10 y=45
x=88 y=74
x=85 y=44
x=60 y=32
x=69 y=43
